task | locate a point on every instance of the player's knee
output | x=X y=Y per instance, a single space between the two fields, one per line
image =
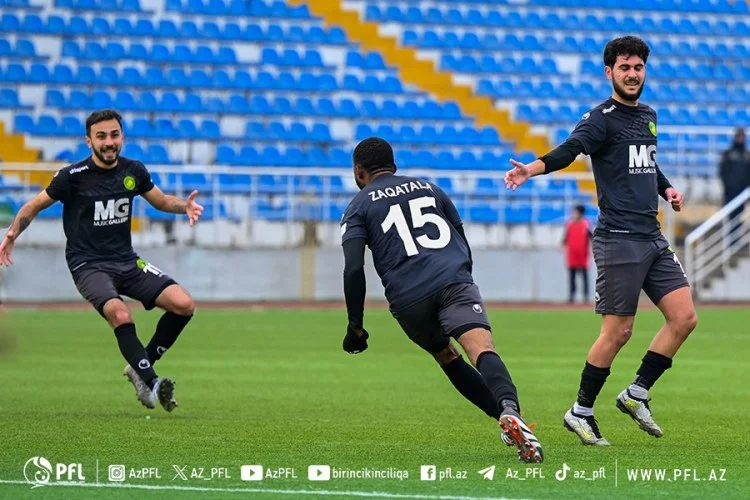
x=183 y=305
x=116 y=313
x=685 y=323
x=476 y=341
x=692 y=321
x=120 y=316
x=620 y=335
x=447 y=355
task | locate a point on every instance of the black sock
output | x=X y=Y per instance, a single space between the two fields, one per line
x=167 y=330
x=134 y=353
x=498 y=380
x=592 y=381
x=471 y=385
x=652 y=367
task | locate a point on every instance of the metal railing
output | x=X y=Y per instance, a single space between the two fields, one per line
x=296 y=202
x=245 y=199
x=711 y=247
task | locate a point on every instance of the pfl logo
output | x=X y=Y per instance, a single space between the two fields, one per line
x=38 y=472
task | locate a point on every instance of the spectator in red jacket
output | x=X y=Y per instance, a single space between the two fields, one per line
x=577 y=242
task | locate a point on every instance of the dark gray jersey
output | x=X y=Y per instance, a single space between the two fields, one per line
x=410 y=226
x=97 y=209
x=621 y=141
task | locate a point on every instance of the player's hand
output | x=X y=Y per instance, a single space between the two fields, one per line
x=517 y=175
x=193 y=209
x=675 y=198
x=355 y=340
x=6 y=247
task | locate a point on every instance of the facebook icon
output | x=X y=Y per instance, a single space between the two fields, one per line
x=427 y=473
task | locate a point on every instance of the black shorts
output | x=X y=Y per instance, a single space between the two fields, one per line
x=101 y=281
x=451 y=312
x=625 y=267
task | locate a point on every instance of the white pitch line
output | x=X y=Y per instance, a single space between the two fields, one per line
x=367 y=494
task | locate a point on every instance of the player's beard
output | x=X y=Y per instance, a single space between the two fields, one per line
x=99 y=153
x=624 y=94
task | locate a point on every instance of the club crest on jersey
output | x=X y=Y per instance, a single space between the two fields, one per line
x=652 y=128
x=129 y=182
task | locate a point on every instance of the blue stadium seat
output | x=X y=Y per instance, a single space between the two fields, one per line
x=77 y=24
x=9 y=22
x=272 y=211
x=517 y=213
x=124 y=101
x=339 y=158
x=54 y=99
x=145 y=28
x=24 y=124
x=121 y=27
x=225 y=155
x=38 y=73
x=210 y=130
x=188 y=181
x=256 y=131
x=235 y=183
x=47 y=125
x=78 y=100
x=140 y=127
x=312 y=59
x=9 y=99
x=71 y=126
x=100 y=26
x=483 y=213
x=101 y=100
x=373 y=61
x=192 y=103
x=25 y=49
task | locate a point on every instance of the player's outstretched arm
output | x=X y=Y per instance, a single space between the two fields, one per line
x=175 y=205
x=557 y=159
x=520 y=173
x=23 y=218
x=355 y=289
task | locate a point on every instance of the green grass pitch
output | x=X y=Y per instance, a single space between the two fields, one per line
x=274 y=388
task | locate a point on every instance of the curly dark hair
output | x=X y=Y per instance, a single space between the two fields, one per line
x=101 y=116
x=374 y=154
x=625 y=46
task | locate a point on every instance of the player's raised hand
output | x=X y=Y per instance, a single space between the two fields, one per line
x=675 y=198
x=6 y=247
x=355 y=341
x=193 y=209
x=517 y=175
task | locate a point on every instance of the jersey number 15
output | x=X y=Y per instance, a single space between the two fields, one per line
x=419 y=219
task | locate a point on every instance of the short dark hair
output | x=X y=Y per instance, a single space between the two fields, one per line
x=374 y=154
x=101 y=116
x=581 y=209
x=625 y=46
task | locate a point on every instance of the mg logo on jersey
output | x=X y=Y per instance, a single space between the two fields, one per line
x=642 y=159
x=642 y=156
x=111 y=212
